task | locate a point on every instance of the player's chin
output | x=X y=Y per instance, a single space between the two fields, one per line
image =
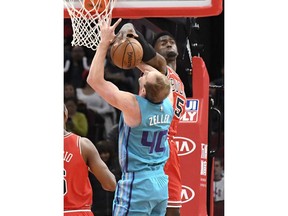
x=171 y=54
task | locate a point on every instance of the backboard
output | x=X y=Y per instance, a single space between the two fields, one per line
x=164 y=8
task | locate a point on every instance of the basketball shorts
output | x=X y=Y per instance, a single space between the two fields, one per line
x=172 y=169
x=141 y=193
x=78 y=213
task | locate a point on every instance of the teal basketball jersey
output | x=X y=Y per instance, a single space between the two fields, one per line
x=143 y=147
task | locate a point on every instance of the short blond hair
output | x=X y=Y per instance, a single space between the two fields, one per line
x=158 y=90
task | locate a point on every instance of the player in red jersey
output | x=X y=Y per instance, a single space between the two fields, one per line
x=80 y=157
x=165 y=44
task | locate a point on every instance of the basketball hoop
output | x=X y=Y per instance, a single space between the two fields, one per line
x=84 y=15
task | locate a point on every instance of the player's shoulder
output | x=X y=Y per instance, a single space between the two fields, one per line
x=85 y=142
x=87 y=147
x=71 y=137
x=171 y=72
x=174 y=76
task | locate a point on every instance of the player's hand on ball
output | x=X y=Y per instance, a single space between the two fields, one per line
x=127 y=30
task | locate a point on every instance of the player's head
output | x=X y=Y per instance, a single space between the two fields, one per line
x=165 y=44
x=154 y=86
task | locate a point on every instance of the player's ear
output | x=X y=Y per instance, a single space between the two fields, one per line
x=142 y=92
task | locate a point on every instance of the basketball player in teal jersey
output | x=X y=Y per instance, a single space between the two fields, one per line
x=143 y=127
x=163 y=57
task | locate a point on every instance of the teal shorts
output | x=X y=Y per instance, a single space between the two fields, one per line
x=141 y=193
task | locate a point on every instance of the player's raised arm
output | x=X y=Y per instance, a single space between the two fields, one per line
x=107 y=90
x=96 y=74
x=124 y=101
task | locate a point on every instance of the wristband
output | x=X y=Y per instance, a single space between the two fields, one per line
x=148 y=50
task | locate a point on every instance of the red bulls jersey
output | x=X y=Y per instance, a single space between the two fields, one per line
x=77 y=188
x=179 y=99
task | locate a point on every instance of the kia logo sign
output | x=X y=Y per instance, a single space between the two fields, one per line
x=184 y=145
x=187 y=194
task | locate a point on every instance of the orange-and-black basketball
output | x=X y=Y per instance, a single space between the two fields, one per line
x=126 y=53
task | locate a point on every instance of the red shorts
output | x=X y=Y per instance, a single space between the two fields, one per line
x=78 y=213
x=172 y=169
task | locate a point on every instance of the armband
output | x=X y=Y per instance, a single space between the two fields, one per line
x=148 y=50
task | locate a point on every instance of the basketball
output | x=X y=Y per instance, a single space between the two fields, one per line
x=98 y=5
x=126 y=53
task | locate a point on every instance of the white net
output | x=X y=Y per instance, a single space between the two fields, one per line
x=84 y=15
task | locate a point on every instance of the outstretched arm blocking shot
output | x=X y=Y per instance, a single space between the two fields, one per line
x=150 y=56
